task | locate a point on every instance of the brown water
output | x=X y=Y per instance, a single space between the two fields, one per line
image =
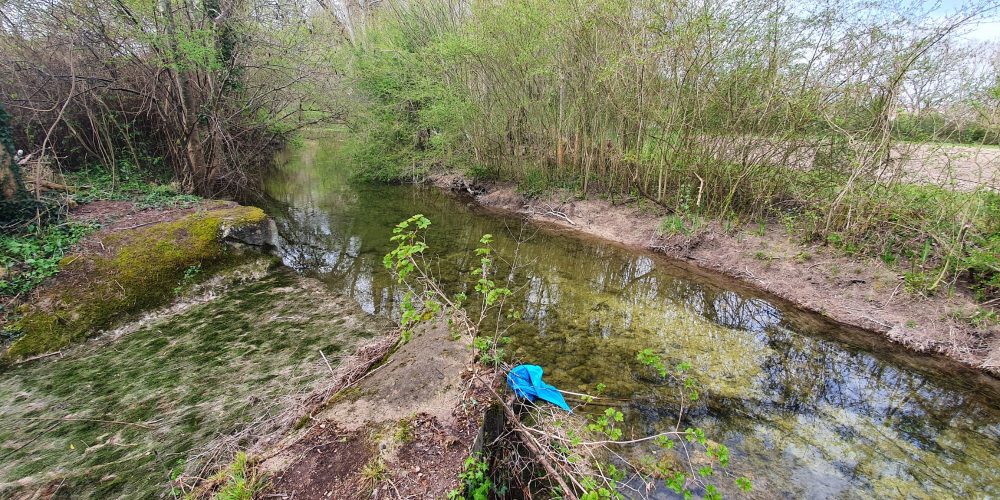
x=809 y=409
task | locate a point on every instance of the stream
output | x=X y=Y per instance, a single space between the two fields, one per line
x=808 y=408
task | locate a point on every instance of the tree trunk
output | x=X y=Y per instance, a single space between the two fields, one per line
x=9 y=185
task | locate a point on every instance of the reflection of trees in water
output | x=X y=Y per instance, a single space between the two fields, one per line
x=902 y=412
x=589 y=305
x=307 y=243
x=312 y=241
x=802 y=377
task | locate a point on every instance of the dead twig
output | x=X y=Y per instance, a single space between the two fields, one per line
x=40 y=356
x=892 y=295
x=326 y=361
x=559 y=215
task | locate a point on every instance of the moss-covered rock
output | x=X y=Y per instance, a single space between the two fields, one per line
x=128 y=271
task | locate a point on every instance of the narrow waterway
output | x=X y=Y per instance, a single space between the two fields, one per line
x=808 y=408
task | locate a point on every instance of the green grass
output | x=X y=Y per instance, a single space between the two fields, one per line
x=188 y=379
x=240 y=481
x=374 y=472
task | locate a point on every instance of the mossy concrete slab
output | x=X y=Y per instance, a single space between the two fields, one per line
x=124 y=271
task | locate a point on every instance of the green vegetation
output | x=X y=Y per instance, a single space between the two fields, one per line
x=474 y=481
x=139 y=270
x=28 y=258
x=710 y=110
x=936 y=126
x=374 y=473
x=33 y=252
x=425 y=298
x=240 y=481
x=127 y=182
x=159 y=403
x=747 y=112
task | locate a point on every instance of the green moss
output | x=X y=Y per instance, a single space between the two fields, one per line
x=141 y=270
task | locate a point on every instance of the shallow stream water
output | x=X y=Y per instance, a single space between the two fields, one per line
x=809 y=409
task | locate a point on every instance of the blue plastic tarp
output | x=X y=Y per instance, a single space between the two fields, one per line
x=526 y=382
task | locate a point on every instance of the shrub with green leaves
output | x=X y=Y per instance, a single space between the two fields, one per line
x=474 y=481
x=424 y=297
x=716 y=117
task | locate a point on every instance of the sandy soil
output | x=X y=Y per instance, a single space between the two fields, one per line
x=952 y=165
x=862 y=293
x=403 y=431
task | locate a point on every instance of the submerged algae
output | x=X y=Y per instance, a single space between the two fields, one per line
x=808 y=408
x=132 y=270
x=121 y=418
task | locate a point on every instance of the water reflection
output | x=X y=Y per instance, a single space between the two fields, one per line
x=808 y=409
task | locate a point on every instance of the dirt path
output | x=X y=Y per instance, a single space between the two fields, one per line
x=862 y=293
x=403 y=431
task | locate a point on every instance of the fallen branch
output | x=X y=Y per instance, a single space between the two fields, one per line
x=326 y=361
x=540 y=456
x=44 y=185
x=40 y=356
x=555 y=213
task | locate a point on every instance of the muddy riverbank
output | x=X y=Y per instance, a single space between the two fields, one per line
x=402 y=430
x=861 y=293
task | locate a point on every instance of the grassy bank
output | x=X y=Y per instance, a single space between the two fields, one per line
x=161 y=405
x=124 y=271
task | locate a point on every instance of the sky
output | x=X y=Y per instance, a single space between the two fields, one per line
x=989 y=32
x=986 y=31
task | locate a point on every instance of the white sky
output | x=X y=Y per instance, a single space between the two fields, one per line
x=989 y=32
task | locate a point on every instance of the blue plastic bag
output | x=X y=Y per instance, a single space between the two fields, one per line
x=526 y=382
